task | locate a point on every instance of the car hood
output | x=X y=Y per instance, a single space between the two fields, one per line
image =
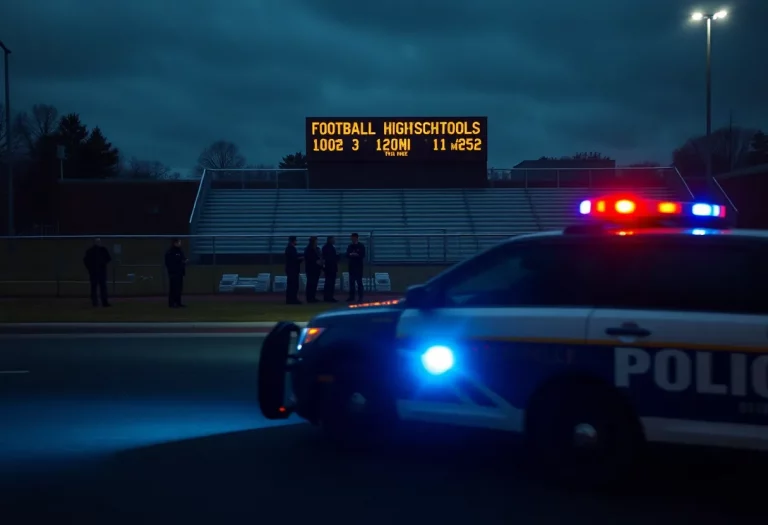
x=358 y=311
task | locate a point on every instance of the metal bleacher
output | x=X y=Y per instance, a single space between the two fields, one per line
x=429 y=215
x=555 y=207
x=499 y=213
x=408 y=225
x=236 y=213
x=304 y=213
x=380 y=211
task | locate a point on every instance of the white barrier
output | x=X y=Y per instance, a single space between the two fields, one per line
x=233 y=283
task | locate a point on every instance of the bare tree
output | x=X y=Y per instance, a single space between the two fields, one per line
x=221 y=155
x=42 y=121
x=263 y=172
x=730 y=151
x=148 y=169
x=17 y=143
x=588 y=155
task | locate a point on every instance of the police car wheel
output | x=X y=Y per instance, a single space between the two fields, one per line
x=348 y=414
x=272 y=374
x=583 y=433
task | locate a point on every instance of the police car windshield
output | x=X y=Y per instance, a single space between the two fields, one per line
x=479 y=260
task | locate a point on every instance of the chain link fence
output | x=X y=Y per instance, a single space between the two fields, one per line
x=53 y=266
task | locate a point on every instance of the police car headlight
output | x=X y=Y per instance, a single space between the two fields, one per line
x=437 y=360
x=308 y=335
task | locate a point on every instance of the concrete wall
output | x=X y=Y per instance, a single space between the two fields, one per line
x=748 y=189
x=126 y=207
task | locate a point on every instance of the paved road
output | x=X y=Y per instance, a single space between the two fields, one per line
x=152 y=429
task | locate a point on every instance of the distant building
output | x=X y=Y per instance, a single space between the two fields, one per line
x=559 y=172
x=570 y=164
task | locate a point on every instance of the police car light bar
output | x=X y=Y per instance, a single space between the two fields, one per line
x=629 y=207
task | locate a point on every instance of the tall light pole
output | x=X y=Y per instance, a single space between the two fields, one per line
x=8 y=131
x=709 y=17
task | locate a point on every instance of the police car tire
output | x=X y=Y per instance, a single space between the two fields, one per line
x=343 y=425
x=272 y=381
x=271 y=387
x=554 y=415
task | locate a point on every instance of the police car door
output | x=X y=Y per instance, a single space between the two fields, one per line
x=685 y=320
x=506 y=317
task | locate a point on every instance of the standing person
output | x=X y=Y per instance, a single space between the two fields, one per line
x=313 y=268
x=331 y=259
x=176 y=264
x=292 y=271
x=96 y=260
x=356 y=257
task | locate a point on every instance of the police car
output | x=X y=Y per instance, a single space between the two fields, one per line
x=648 y=322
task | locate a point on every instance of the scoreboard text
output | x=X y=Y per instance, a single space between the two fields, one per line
x=380 y=139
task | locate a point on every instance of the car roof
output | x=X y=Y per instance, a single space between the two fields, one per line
x=758 y=234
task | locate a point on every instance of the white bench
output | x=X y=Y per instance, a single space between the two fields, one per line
x=228 y=282
x=233 y=283
x=265 y=282
x=280 y=284
x=380 y=282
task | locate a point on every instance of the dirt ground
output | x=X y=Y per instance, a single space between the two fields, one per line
x=200 y=308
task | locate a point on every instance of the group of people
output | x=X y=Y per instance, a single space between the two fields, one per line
x=97 y=259
x=317 y=262
x=325 y=261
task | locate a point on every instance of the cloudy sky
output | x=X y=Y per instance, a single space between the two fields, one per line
x=163 y=78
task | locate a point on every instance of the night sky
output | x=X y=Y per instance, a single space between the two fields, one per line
x=163 y=78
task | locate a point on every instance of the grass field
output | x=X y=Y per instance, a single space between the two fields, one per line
x=155 y=310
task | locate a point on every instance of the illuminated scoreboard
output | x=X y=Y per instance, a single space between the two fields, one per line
x=381 y=139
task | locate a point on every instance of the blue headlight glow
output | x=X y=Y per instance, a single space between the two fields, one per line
x=302 y=336
x=438 y=360
x=308 y=335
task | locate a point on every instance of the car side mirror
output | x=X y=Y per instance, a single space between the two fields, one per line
x=417 y=297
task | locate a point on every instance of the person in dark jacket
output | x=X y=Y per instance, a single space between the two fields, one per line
x=96 y=260
x=313 y=266
x=176 y=264
x=292 y=271
x=355 y=256
x=331 y=268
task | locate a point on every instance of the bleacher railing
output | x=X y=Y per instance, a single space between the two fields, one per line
x=725 y=195
x=631 y=177
x=257 y=178
x=137 y=268
x=197 y=206
x=243 y=178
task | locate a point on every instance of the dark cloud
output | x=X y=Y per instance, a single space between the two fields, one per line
x=165 y=77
